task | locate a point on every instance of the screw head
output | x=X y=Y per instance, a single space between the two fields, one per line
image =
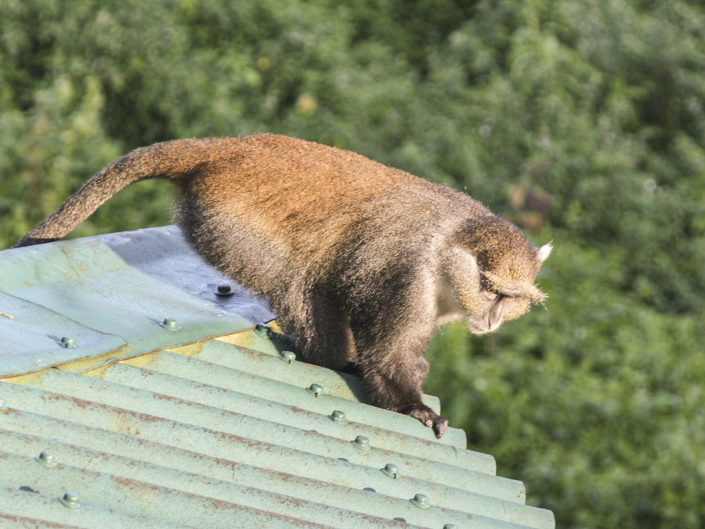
x=315 y=389
x=68 y=343
x=362 y=442
x=171 y=325
x=391 y=470
x=71 y=500
x=339 y=417
x=288 y=356
x=450 y=526
x=224 y=291
x=46 y=459
x=421 y=501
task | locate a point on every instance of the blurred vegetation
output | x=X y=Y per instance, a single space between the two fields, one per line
x=582 y=121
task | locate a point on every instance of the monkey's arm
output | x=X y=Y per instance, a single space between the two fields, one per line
x=398 y=387
x=390 y=357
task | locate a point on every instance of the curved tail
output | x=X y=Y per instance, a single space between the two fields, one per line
x=161 y=160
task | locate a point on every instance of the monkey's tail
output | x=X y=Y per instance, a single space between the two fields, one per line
x=156 y=161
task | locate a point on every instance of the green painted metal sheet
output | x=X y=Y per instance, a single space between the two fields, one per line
x=222 y=443
x=334 y=384
x=24 y=509
x=355 y=498
x=135 y=498
x=343 y=507
x=103 y=301
x=198 y=390
x=273 y=437
x=165 y=493
x=31 y=337
x=210 y=434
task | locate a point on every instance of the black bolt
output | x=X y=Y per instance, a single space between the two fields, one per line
x=224 y=291
x=68 y=343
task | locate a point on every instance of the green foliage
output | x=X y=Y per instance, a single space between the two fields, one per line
x=581 y=121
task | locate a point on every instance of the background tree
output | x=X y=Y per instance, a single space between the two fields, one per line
x=581 y=121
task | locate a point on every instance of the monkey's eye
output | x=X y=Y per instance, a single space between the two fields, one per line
x=489 y=295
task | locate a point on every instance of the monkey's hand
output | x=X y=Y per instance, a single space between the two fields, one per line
x=429 y=418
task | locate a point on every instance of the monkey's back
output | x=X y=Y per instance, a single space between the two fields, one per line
x=283 y=205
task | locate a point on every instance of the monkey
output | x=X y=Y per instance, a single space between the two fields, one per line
x=360 y=261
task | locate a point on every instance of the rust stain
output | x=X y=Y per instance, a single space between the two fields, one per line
x=217 y=389
x=81 y=403
x=212 y=504
x=35 y=522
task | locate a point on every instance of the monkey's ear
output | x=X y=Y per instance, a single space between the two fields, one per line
x=544 y=252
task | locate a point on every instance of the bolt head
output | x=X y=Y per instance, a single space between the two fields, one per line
x=362 y=442
x=339 y=417
x=46 y=459
x=171 y=325
x=224 y=291
x=71 y=500
x=68 y=343
x=421 y=501
x=316 y=390
x=288 y=356
x=391 y=470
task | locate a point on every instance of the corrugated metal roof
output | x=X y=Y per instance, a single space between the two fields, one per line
x=205 y=426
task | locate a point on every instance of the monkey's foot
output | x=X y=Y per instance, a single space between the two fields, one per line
x=431 y=419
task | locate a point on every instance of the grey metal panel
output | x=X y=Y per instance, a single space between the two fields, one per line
x=164 y=254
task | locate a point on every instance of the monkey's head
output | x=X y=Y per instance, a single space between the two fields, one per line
x=492 y=269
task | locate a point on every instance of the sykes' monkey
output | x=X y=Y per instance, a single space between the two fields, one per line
x=361 y=262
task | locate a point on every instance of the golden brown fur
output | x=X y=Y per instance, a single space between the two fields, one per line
x=359 y=260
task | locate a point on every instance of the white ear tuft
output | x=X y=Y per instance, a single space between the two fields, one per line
x=544 y=252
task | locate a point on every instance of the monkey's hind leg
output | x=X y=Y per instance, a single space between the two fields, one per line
x=321 y=333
